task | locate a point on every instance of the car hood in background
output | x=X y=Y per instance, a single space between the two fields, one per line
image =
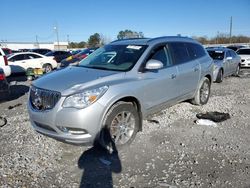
x=244 y=56
x=218 y=62
x=73 y=79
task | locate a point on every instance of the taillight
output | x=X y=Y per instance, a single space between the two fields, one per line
x=2 y=77
x=5 y=60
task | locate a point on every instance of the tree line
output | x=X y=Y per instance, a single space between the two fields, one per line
x=97 y=39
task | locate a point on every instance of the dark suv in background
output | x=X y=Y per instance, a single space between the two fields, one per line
x=59 y=55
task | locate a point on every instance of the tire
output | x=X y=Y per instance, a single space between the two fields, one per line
x=237 y=72
x=47 y=68
x=121 y=125
x=203 y=92
x=219 y=78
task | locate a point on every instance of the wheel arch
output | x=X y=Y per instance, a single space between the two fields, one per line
x=136 y=104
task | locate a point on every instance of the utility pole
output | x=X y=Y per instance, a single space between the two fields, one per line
x=68 y=38
x=37 y=43
x=231 y=25
x=57 y=37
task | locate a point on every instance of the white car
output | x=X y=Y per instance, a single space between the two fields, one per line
x=4 y=63
x=244 y=53
x=20 y=62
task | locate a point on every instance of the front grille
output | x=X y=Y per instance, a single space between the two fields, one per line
x=42 y=99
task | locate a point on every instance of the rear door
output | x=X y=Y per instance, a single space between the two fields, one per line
x=33 y=61
x=227 y=63
x=188 y=67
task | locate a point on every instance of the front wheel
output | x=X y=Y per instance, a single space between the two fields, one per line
x=203 y=92
x=121 y=125
x=219 y=78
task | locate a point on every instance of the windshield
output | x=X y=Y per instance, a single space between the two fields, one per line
x=244 y=52
x=114 y=57
x=217 y=55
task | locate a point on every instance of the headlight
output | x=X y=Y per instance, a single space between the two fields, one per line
x=215 y=67
x=84 y=99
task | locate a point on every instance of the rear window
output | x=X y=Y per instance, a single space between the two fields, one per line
x=216 y=54
x=244 y=52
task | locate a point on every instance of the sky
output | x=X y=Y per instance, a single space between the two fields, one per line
x=76 y=20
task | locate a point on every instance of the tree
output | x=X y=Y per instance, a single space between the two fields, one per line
x=129 y=34
x=94 y=40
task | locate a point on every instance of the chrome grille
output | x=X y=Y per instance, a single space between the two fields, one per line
x=42 y=99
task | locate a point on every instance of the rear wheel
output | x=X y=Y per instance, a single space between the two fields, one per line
x=219 y=78
x=120 y=125
x=47 y=68
x=237 y=72
x=203 y=92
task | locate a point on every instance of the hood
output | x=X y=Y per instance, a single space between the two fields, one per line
x=70 y=79
x=218 y=62
x=244 y=56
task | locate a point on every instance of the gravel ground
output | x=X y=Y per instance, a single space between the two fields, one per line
x=172 y=151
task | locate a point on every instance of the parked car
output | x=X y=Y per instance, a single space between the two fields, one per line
x=42 y=51
x=226 y=62
x=4 y=63
x=118 y=86
x=4 y=86
x=58 y=55
x=235 y=47
x=20 y=62
x=75 y=59
x=7 y=51
x=244 y=53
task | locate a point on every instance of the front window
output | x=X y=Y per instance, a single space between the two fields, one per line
x=217 y=55
x=243 y=52
x=114 y=57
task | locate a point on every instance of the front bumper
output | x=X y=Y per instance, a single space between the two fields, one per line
x=55 y=122
x=244 y=63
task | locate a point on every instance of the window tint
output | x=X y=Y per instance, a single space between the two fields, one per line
x=195 y=50
x=179 y=52
x=233 y=54
x=33 y=56
x=18 y=57
x=216 y=54
x=160 y=55
x=244 y=52
x=228 y=54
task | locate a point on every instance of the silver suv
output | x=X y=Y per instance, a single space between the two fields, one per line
x=117 y=86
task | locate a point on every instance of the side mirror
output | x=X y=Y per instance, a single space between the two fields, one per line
x=154 y=64
x=229 y=58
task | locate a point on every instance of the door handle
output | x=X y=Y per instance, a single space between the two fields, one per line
x=196 y=69
x=173 y=76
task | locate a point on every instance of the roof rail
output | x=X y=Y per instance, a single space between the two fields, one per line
x=128 y=39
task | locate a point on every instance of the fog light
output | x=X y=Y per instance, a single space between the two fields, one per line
x=74 y=131
x=63 y=129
